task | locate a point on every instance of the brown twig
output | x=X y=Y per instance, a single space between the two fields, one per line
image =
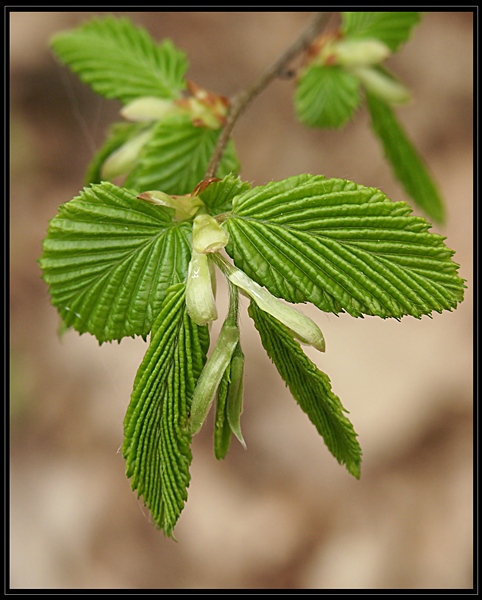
x=242 y=99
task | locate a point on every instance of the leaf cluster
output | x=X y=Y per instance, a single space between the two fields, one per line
x=137 y=257
x=348 y=67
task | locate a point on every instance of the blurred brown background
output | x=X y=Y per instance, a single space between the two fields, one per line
x=284 y=514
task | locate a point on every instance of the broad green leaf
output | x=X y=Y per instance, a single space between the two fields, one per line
x=176 y=157
x=311 y=389
x=118 y=135
x=157 y=436
x=392 y=28
x=218 y=196
x=342 y=247
x=407 y=164
x=120 y=60
x=109 y=258
x=326 y=96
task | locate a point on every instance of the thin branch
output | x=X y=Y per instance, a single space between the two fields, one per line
x=242 y=99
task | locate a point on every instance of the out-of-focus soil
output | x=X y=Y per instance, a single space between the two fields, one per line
x=283 y=514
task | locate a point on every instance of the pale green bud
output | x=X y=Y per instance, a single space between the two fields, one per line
x=354 y=53
x=200 y=303
x=185 y=206
x=383 y=86
x=208 y=235
x=148 y=108
x=125 y=158
x=301 y=326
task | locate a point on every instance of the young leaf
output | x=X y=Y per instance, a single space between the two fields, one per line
x=392 y=28
x=326 y=96
x=342 y=247
x=311 y=389
x=301 y=327
x=120 y=60
x=383 y=85
x=212 y=374
x=218 y=196
x=407 y=164
x=229 y=405
x=222 y=430
x=118 y=135
x=109 y=258
x=157 y=436
x=176 y=157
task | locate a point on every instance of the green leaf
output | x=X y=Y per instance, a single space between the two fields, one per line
x=326 y=96
x=392 y=28
x=120 y=60
x=157 y=436
x=218 y=196
x=212 y=373
x=311 y=389
x=118 y=135
x=407 y=164
x=176 y=157
x=342 y=247
x=229 y=405
x=109 y=258
x=222 y=429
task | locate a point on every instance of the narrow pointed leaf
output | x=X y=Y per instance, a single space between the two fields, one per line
x=222 y=429
x=406 y=162
x=176 y=158
x=392 y=28
x=109 y=258
x=212 y=374
x=120 y=60
x=157 y=435
x=311 y=388
x=229 y=405
x=342 y=247
x=326 y=97
x=234 y=401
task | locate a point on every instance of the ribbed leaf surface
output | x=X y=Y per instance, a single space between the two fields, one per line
x=407 y=164
x=157 y=435
x=311 y=389
x=342 y=247
x=120 y=60
x=392 y=28
x=326 y=96
x=109 y=258
x=176 y=157
x=218 y=196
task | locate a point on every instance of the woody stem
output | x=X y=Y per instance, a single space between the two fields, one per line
x=242 y=99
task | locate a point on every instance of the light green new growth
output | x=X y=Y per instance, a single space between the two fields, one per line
x=138 y=259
